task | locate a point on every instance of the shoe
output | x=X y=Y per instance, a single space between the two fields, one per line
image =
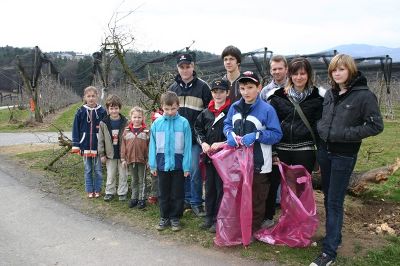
x=186 y=206
x=97 y=195
x=152 y=200
x=122 y=198
x=206 y=225
x=199 y=211
x=141 y=204
x=267 y=223
x=133 y=203
x=213 y=228
x=90 y=195
x=175 y=225
x=108 y=197
x=323 y=260
x=164 y=223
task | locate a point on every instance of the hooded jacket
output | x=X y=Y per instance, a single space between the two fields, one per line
x=105 y=145
x=350 y=118
x=194 y=97
x=86 y=128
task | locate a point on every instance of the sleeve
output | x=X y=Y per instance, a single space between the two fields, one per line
x=199 y=129
x=100 y=144
x=123 y=147
x=76 y=131
x=228 y=126
x=373 y=122
x=152 y=149
x=272 y=133
x=207 y=96
x=187 y=149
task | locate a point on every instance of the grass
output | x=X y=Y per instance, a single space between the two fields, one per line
x=19 y=115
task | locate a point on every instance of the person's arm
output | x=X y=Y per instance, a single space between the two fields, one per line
x=187 y=148
x=228 y=129
x=75 y=133
x=200 y=131
x=152 y=151
x=272 y=133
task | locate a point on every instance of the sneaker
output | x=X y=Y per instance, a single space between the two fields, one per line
x=267 y=223
x=108 y=197
x=206 y=225
x=122 y=198
x=133 y=203
x=152 y=200
x=213 y=228
x=175 y=225
x=164 y=223
x=97 y=195
x=90 y=195
x=323 y=260
x=199 y=211
x=141 y=204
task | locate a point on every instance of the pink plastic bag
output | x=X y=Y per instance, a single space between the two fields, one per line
x=298 y=221
x=234 y=220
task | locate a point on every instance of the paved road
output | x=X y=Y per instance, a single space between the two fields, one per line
x=7 y=139
x=38 y=230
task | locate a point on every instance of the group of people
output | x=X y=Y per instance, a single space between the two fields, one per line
x=289 y=120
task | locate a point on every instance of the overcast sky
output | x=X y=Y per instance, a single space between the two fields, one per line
x=286 y=27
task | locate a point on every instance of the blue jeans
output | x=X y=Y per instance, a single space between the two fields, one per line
x=194 y=185
x=336 y=170
x=93 y=174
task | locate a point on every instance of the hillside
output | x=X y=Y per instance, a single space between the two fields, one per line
x=365 y=50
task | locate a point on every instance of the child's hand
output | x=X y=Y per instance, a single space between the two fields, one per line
x=75 y=150
x=205 y=147
x=275 y=160
x=249 y=139
x=231 y=139
x=186 y=174
x=103 y=159
x=216 y=146
x=124 y=164
x=153 y=172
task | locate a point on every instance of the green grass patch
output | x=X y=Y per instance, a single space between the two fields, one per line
x=19 y=117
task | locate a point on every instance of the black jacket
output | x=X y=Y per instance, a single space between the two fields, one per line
x=350 y=118
x=294 y=130
x=194 y=97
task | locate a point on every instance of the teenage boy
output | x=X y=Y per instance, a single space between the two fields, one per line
x=110 y=136
x=209 y=134
x=170 y=160
x=257 y=124
x=232 y=58
x=194 y=96
x=278 y=69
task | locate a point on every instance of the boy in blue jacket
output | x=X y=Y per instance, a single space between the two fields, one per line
x=84 y=140
x=170 y=159
x=257 y=124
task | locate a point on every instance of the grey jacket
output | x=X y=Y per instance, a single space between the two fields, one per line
x=351 y=118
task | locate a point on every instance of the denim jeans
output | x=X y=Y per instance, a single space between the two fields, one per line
x=194 y=185
x=93 y=174
x=336 y=170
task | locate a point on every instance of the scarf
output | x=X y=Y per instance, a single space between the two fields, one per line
x=216 y=112
x=299 y=96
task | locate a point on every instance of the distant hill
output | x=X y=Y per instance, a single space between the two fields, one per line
x=364 y=50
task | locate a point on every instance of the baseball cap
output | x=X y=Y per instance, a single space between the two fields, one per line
x=220 y=84
x=249 y=75
x=184 y=59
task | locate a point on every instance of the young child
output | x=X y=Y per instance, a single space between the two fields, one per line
x=84 y=140
x=209 y=134
x=256 y=122
x=134 y=151
x=170 y=159
x=110 y=136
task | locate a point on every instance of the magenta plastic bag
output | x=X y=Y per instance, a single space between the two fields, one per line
x=298 y=221
x=234 y=220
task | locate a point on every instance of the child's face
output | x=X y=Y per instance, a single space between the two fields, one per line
x=219 y=96
x=90 y=98
x=137 y=118
x=249 y=91
x=170 y=110
x=113 y=111
x=230 y=63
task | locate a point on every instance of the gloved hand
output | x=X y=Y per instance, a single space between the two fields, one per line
x=249 y=139
x=231 y=139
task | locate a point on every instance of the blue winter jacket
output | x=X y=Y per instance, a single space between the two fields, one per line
x=260 y=117
x=170 y=144
x=86 y=128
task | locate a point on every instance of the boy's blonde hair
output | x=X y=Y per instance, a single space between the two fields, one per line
x=90 y=88
x=136 y=109
x=113 y=100
x=342 y=60
x=169 y=98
